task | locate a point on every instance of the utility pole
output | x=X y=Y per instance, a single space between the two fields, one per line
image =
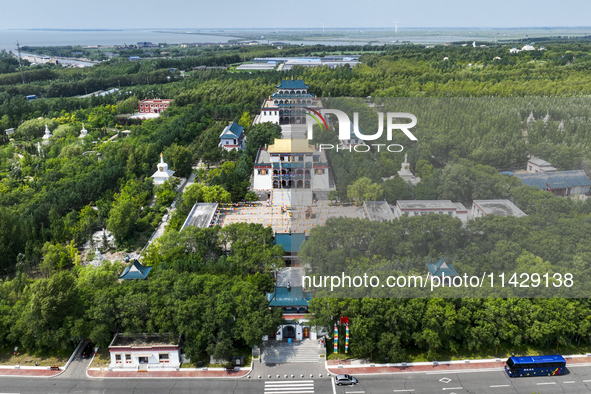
x=20 y=63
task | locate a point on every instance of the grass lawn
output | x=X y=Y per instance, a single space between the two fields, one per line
x=102 y=359
x=59 y=357
x=503 y=352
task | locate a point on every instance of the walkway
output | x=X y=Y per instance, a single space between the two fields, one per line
x=188 y=373
x=162 y=226
x=28 y=371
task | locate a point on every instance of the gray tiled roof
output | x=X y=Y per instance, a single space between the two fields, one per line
x=556 y=180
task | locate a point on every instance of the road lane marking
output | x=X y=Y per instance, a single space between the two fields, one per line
x=539 y=384
x=501 y=385
x=453 y=388
x=355 y=392
x=572 y=381
x=455 y=371
x=405 y=391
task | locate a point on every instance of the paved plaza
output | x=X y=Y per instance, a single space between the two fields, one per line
x=286 y=219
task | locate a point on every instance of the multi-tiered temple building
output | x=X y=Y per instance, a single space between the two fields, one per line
x=287 y=107
x=290 y=172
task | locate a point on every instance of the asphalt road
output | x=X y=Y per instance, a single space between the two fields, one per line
x=495 y=382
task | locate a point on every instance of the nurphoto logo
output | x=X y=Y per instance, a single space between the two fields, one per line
x=345 y=128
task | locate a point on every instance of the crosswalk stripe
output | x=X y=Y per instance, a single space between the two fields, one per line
x=288 y=381
x=289 y=387
x=292 y=392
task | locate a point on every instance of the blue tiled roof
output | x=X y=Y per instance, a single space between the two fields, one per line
x=234 y=130
x=135 y=271
x=295 y=84
x=282 y=96
x=290 y=242
x=441 y=267
x=284 y=297
x=556 y=179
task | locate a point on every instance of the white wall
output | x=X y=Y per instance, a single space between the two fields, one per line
x=299 y=332
x=475 y=212
x=173 y=359
x=272 y=115
x=263 y=182
x=462 y=216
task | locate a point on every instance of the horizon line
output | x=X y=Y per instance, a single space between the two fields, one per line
x=297 y=28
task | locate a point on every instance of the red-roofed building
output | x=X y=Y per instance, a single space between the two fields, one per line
x=153 y=106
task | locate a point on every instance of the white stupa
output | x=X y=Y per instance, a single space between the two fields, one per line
x=163 y=174
x=405 y=173
x=47 y=134
x=83 y=132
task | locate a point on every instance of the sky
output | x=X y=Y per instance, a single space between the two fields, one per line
x=154 y=14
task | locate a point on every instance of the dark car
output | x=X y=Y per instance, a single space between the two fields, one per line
x=345 y=379
x=88 y=350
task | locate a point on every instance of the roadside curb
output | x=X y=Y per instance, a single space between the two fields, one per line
x=143 y=375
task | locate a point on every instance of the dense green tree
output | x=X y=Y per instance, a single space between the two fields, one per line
x=58 y=257
x=397 y=189
x=49 y=319
x=122 y=218
x=364 y=190
x=260 y=135
x=180 y=160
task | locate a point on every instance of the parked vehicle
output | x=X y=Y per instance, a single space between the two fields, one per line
x=345 y=379
x=88 y=350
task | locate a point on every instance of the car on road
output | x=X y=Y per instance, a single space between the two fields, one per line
x=345 y=379
x=88 y=350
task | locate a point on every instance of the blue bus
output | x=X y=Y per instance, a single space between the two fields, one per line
x=535 y=366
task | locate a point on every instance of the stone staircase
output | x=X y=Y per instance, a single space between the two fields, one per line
x=306 y=351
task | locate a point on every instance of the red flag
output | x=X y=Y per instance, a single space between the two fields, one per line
x=344 y=320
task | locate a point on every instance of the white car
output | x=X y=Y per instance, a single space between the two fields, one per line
x=345 y=379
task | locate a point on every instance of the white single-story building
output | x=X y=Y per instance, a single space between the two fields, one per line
x=425 y=207
x=144 y=351
x=535 y=165
x=482 y=208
